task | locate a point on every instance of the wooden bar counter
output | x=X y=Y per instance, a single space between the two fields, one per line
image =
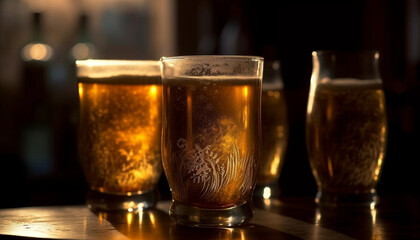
x=285 y=218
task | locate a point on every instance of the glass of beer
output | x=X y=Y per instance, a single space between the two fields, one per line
x=346 y=127
x=119 y=132
x=211 y=137
x=275 y=131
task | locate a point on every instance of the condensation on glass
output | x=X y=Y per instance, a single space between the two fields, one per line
x=211 y=136
x=120 y=129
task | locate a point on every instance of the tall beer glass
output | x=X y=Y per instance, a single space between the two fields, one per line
x=275 y=131
x=119 y=132
x=346 y=127
x=211 y=137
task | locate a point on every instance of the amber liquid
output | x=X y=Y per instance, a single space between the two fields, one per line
x=346 y=131
x=274 y=134
x=211 y=140
x=120 y=132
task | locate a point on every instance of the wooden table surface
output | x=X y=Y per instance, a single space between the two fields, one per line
x=290 y=218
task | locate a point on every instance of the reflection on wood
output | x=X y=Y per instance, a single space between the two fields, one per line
x=78 y=222
x=74 y=222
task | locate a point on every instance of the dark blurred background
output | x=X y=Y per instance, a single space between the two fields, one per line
x=38 y=93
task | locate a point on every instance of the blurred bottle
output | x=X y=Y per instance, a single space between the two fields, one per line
x=275 y=131
x=235 y=37
x=36 y=140
x=83 y=48
x=66 y=102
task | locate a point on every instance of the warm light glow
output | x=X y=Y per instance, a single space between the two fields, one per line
x=242 y=235
x=37 y=51
x=318 y=217
x=80 y=86
x=140 y=206
x=373 y=213
x=381 y=156
x=246 y=108
x=372 y=205
x=129 y=218
x=245 y=92
x=381 y=106
x=330 y=167
x=153 y=91
x=267 y=203
x=102 y=217
x=152 y=219
x=94 y=92
x=267 y=193
x=141 y=218
x=276 y=161
x=378 y=168
x=82 y=51
x=314 y=79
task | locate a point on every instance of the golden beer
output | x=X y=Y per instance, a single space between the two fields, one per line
x=120 y=133
x=346 y=129
x=274 y=133
x=211 y=139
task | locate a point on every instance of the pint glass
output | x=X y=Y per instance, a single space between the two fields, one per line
x=119 y=132
x=211 y=137
x=275 y=130
x=346 y=127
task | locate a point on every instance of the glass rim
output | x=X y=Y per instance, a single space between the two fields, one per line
x=231 y=57
x=105 y=68
x=113 y=62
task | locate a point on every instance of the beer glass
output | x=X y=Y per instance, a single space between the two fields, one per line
x=274 y=131
x=119 y=132
x=346 y=127
x=211 y=137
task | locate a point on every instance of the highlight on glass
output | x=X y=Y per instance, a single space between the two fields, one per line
x=211 y=139
x=346 y=127
x=119 y=132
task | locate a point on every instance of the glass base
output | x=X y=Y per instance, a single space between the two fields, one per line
x=329 y=199
x=267 y=191
x=203 y=217
x=98 y=201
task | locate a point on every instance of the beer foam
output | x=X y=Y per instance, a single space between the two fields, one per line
x=111 y=68
x=208 y=80
x=211 y=65
x=123 y=79
x=350 y=83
